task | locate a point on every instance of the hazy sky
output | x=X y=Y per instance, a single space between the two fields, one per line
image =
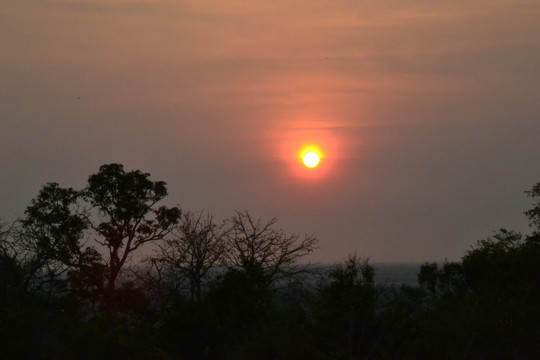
x=428 y=112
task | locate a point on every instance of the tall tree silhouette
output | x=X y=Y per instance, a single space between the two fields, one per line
x=127 y=216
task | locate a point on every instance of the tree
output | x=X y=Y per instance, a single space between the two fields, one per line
x=127 y=216
x=447 y=281
x=503 y=275
x=241 y=306
x=193 y=251
x=428 y=276
x=534 y=213
x=492 y=262
x=120 y=207
x=254 y=244
x=88 y=279
x=6 y=242
x=4 y=234
x=49 y=240
x=11 y=272
x=345 y=311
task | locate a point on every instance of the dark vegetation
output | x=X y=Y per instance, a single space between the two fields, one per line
x=73 y=285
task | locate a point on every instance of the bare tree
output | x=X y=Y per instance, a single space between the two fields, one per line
x=6 y=245
x=255 y=243
x=11 y=271
x=195 y=248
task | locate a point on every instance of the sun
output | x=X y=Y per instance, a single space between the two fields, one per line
x=311 y=159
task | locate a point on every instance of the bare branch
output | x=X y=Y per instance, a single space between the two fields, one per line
x=252 y=242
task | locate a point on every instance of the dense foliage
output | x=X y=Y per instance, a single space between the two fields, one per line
x=237 y=290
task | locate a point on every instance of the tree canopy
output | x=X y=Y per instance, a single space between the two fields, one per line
x=234 y=288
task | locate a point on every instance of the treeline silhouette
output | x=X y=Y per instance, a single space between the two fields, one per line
x=74 y=285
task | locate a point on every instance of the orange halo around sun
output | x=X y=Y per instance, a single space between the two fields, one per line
x=302 y=138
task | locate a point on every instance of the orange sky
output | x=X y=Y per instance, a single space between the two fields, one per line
x=426 y=111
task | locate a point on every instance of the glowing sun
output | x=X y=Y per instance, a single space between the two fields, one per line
x=311 y=159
